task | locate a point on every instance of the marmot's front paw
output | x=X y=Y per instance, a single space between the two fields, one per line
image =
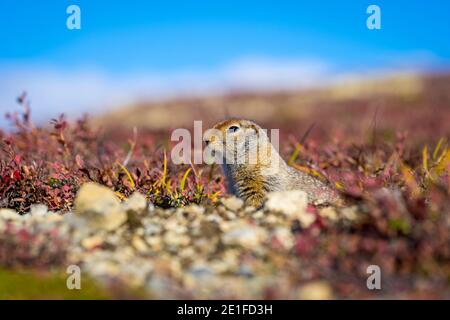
x=255 y=200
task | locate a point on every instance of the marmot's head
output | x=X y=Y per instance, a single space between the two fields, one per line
x=236 y=142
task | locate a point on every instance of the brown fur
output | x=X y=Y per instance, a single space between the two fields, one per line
x=252 y=181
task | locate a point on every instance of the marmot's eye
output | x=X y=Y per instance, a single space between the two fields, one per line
x=233 y=128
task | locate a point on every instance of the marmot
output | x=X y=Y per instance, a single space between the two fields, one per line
x=254 y=168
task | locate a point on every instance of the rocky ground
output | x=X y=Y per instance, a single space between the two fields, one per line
x=223 y=251
x=228 y=251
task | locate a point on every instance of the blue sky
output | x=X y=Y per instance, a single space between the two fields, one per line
x=134 y=49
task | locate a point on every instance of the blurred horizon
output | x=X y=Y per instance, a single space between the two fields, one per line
x=130 y=52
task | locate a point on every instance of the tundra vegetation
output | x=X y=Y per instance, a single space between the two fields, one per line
x=384 y=145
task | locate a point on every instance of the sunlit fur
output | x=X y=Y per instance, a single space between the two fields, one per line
x=256 y=167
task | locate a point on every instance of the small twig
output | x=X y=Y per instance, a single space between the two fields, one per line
x=194 y=170
x=25 y=104
x=307 y=132
x=132 y=146
x=374 y=127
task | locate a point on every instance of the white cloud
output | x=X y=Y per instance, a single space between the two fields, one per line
x=260 y=74
x=53 y=91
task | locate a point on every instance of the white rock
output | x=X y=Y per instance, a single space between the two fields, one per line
x=160 y=286
x=92 y=242
x=99 y=206
x=246 y=236
x=316 y=290
x=329 y=213
x=194 y=210
x=173 y=239
x=151 y=228
x=258 y=214
x=289 y=203
x=292 y=204
x=9 y=214
x=233 y=203
x=306 y=219
x=136 y=203
x=101 y=267
x=350 y=213
x=38 y=210
x=284 y=236
x=139 y=244
x=135 y=272
x=230 y=215
x=73 y=220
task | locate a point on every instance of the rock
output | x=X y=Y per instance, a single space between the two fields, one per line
x=292 y=204
x=154 y=242
x=136 y=208
x=247 y=236
x=101 y=267
x=38 y=210
x=272 y=219
x=161 y=286
x=136 y=203
x=194 y=210
x=230 y=215
x=258 y=215
x=198 y=270
x=306 y=219
x=151 y=229
x=245 y=270
x=175 y=225
x=92 y=242
x=316 y=290
x=39 y=214
x=233 y=203
x=209 y=229
x=248 y=210
x=135 y=272
x=9 y=214
x=284 y=236
x=99 y=206
x=349 y=213
x=74 y=221
x=53 y=217
x=151 y=207
x=115 y=240
x=329 y=213
x=139 y=244
x=175 y=240
x=228 y=262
